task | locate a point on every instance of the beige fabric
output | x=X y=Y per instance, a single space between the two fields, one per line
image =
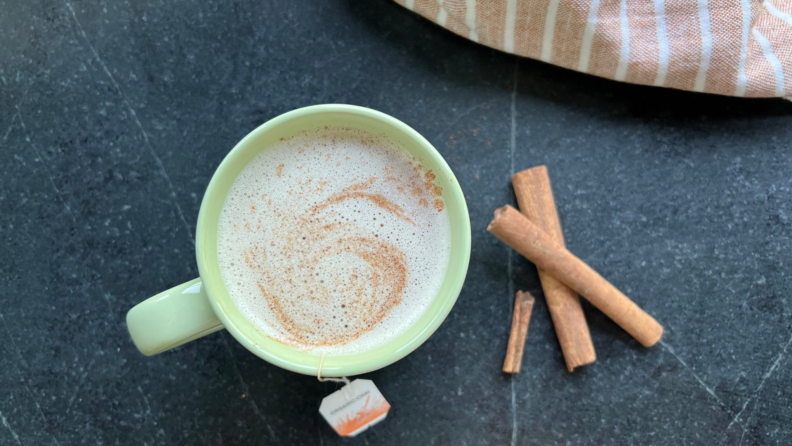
x=728 y=47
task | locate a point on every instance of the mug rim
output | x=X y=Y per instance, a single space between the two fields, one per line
x=215 y=285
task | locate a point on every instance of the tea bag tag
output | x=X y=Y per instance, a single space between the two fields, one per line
x=355 y=407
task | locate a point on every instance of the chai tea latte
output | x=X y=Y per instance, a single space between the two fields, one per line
x=334 y=241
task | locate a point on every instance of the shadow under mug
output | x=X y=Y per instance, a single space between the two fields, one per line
x=203 y=305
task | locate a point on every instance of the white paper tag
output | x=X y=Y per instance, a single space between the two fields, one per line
x=353 y=408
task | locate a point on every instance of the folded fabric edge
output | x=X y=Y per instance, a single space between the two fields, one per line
x=463 y=22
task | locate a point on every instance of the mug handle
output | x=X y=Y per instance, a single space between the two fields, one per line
x=172 y=318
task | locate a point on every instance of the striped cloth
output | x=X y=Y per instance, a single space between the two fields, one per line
x=727 y=47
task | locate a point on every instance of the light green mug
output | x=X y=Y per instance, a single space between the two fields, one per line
x=202 y=306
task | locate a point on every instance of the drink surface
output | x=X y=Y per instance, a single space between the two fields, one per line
x=334 y=241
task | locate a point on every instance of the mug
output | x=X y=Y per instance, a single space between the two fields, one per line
x=203 y=305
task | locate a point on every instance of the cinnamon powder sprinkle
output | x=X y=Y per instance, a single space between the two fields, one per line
x=357 y=191
x=422 y=185
x=387 y=280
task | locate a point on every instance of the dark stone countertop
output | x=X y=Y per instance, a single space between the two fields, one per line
x=114 y=116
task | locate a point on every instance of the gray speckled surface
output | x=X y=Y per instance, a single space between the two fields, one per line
x=114 y=116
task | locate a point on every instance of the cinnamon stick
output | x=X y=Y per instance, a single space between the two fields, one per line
x=521 y=317
x=535 y=197
x=511 y=227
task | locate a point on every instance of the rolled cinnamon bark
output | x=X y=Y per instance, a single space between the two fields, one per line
x=528 y=239
x=535 y=197
x=521 y=317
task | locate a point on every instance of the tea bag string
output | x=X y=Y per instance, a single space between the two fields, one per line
x=342 y=379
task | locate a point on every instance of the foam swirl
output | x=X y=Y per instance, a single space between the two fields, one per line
x=328 y=241
x=363 y=295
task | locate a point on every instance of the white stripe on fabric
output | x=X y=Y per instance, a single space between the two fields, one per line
x=624 y=54
x=511 y=22
x=470 y=19
x=778 y=70
x=742 y=80
x=549 y=31
x=706 y=45
x=410 y=4
x=776 y=12
x=662 y=43
x=588 y=37
x=442 y=16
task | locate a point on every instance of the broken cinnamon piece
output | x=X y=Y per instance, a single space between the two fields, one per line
x=535 y=198
x=521 y=317
x=524 y=236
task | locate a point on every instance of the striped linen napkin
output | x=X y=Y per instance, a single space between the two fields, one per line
x=727 y=47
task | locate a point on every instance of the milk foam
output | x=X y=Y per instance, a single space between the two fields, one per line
x=334 y=241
